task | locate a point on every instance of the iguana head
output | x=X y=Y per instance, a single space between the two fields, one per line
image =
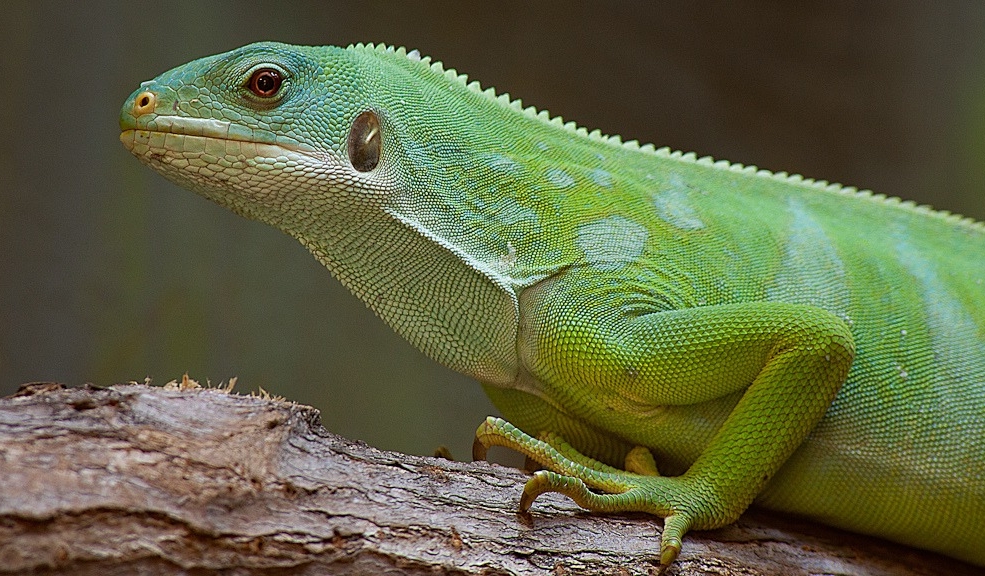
x=266 y=130
x=359 y=153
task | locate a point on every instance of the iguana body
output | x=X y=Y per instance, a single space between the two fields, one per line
x=818 y=350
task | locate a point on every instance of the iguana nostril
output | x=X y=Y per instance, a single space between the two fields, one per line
x=144 y=103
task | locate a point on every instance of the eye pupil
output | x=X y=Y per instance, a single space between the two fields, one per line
x=265 y=82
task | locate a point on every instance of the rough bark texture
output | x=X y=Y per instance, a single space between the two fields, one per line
x=141 y=480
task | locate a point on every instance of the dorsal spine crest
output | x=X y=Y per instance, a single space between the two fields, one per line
x=505 y=100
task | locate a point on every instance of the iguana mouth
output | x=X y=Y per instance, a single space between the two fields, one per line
x=209 y=152
x=169 y=132
x=141 y=123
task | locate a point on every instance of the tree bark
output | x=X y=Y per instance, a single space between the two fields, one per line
x=134 y=479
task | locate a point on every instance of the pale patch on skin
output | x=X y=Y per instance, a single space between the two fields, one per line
x=955 y=336
x=508 y=261
x=674 y=208
x=502 y=163
x=811 y=271
x=512 y=214
x=559 y=178
x=601 y=177
x=610 y=243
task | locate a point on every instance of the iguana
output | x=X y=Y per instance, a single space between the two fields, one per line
x=763 y=337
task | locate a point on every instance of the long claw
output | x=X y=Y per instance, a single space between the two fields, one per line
x=479 y=450
x=544 y=481
x=675 y=526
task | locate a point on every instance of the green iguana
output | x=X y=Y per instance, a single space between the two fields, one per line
x=763 y=337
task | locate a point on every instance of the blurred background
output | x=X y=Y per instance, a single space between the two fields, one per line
x=108 y=273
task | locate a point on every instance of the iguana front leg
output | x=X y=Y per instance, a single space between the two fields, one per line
x=597 y=356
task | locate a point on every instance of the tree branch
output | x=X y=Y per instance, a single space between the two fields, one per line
x=134 y=479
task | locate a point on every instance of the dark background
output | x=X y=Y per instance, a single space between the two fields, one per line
x=109 y=273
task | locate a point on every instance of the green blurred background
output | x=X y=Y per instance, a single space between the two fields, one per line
x=110 y=273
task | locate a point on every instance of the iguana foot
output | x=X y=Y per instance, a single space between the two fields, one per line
x=571 y=473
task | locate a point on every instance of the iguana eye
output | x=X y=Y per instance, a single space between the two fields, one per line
x=365 y=142
x=265 y=82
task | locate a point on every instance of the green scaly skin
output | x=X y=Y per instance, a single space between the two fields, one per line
x=766 y=338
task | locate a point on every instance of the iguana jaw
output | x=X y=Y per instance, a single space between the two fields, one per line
x=155 y=131
x=189 y=143
x=212 y=157
x=209 y=152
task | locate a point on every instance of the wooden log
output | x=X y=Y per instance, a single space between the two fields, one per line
x=134 y=479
